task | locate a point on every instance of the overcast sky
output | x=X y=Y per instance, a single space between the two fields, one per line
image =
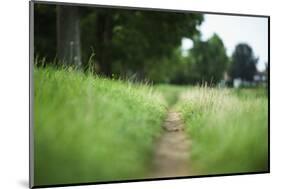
x=237 y=29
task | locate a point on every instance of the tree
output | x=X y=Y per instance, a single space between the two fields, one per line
x=118 y=41
x=208 y=60
x=45 y=31
x=243 y=64
x=68 y=35
x=125 y=41
x=146 y=37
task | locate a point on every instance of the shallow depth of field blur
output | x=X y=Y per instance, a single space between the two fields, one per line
x=105 y=79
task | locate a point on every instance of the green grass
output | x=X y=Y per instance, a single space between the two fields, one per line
x=91 y=129
x=228 y=128
x=170 y=92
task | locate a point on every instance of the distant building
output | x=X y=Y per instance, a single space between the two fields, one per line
x=259 y=79
x=237 y=82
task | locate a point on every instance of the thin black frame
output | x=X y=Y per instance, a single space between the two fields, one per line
x=31 y=92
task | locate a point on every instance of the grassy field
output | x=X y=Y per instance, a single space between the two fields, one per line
x=91 y=129
x=228 y=128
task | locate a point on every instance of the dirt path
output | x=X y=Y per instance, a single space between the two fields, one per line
x=172 y=149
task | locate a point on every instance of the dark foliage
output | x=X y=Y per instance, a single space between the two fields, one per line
x=243 y=64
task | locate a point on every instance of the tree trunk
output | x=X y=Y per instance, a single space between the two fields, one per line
x=68 y=35
x=104 y=34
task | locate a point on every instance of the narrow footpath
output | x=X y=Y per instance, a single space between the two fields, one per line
x=171 y=156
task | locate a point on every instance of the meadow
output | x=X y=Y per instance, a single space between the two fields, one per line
x=228 y=127
x=89 y=129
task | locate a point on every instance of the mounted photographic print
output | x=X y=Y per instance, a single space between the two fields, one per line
x=121 y=94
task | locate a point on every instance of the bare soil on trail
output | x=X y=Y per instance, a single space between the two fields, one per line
x=171 y=156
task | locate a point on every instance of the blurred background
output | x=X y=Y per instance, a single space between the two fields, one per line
x=153 y=46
